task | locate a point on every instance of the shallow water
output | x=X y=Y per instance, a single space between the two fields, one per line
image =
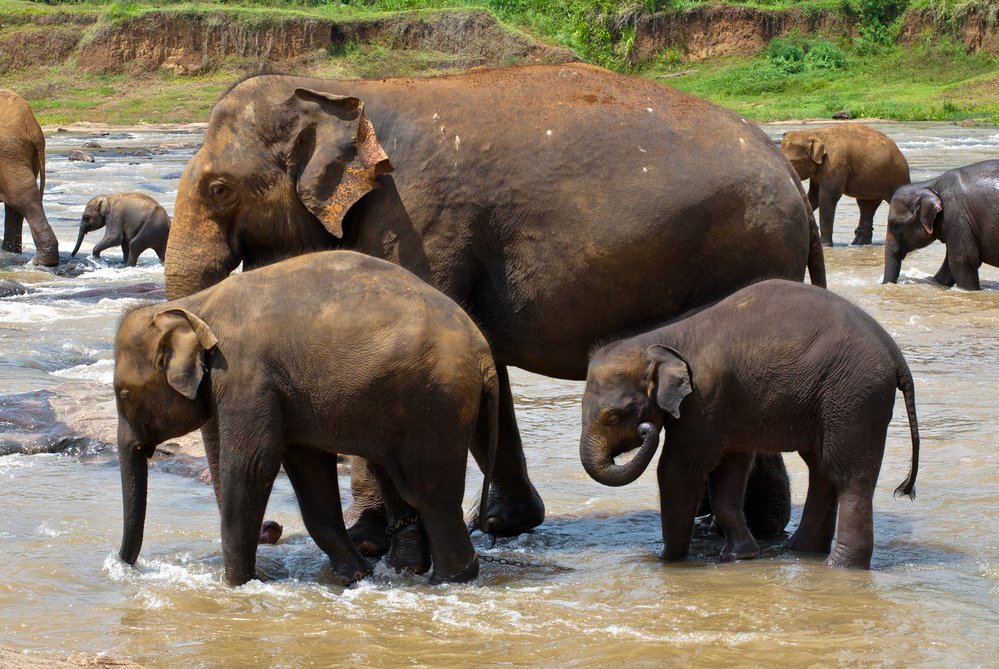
x=590 y=590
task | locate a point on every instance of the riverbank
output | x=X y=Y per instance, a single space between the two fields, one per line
x=128 y=63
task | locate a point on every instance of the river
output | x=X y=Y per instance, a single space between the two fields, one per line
x=584 y=589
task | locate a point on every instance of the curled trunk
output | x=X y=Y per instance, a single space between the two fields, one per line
x=595 y=454
x=134 y=480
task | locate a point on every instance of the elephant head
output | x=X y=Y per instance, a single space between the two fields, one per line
x=625 y=404
x=804 y=152
x=157 y=383
x=94 y=216
x=274 y=178
x=913 y=222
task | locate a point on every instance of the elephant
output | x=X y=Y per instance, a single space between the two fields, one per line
x=134 y=220
x=849 y=159
x=22 y=180
x=557 y=204
x=294 y=363
x=777 y=366
x=960 y=208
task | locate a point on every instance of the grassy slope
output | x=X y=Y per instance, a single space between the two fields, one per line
x=938 y=82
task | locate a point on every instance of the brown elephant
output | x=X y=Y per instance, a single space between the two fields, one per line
x=22 y=179
x=291 y=364
x=778 y=367
x=849 y=159
x=557 y=204
x=134 y=221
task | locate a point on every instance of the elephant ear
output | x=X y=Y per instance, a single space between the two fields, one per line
x=816 y=150
x=930 y=207
x=103 y=206
x=336 y=156
x=670 y=378
x=183 y=339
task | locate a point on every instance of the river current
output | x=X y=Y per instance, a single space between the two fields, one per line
x=584 y=589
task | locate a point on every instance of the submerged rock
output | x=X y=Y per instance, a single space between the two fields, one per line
x=78 y=155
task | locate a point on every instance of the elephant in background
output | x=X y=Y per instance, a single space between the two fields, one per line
x=558 y=205
x=22 y=179
x=134 y=220
x=291 y=364
x=961 y=209
x=777 y=366
x=849 y=159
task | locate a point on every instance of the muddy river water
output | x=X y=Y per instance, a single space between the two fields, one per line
x=584 y=589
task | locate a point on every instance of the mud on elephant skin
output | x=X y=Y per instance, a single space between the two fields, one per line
x=390 y=368
x=847 y=159
x=560 y=205
x=777 y=366
x=22 y=180
x=134 y=221
x=959 y=208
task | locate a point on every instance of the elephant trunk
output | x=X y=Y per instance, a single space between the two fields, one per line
x=134 y=479
x=595 y=454
x=79 y=240
x=894 y=254
x=197 y=253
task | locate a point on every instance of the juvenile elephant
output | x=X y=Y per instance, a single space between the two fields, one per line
x=322 y=354
x=557 y=204
x=849 y=159
x=134 y=220
x=960 y=208
x=777 y=366
x=22 y=179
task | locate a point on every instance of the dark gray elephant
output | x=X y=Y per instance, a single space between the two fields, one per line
x=961 y=209
x=134 y=220
x=22 y=179
x=558 y=204
x=291 y=364
x=778 y=367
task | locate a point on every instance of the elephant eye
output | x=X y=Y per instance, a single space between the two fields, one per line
x=123 y=394
x=217 y=189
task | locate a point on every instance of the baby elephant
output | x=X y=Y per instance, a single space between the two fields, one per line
x=293 y=363
x=777 y=366
x=134 y=220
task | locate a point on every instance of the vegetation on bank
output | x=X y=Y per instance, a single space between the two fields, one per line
x=867 y=74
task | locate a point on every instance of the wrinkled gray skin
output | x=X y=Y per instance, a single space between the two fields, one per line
x=365 y=360
x=22 y=179
x=778 y=367
x=961 y=209
x=559 y=205
x=133 y=220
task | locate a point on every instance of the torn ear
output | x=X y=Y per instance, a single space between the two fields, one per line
x=337 y=156
x=670 y=378
x=183 y=339
x=930 y=207
x=816 y=150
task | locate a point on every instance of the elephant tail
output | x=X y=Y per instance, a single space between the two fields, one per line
x=816 y=259
x=490 y=410
x=40 y=149
x=905 y=384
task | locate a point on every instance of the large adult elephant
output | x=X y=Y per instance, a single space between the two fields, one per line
x=559 y=205
x=22 y=179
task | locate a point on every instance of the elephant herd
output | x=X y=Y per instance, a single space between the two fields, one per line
x=404 y=241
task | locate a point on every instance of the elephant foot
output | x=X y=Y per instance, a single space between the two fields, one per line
x=45 y=259
x=678 y=555
x=799 y=543
x=370 y=534
x=345 y=574
x=270 y=532
x=512 y=510
x=849 y=559
x=743 y=550
x=409 y=553
x=12 y=247
x=462 y=574
x=862 y=236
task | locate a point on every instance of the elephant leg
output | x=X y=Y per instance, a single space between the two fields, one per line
x=943 y=275
x=964 y=262
x=13 y=223
x=46 y=244
x=109 y=240
x=126 y=253
x=408 y=552
x=827 y=213
x=818 y=517
x=514 y=503
x=855 y=529
x=679 y=494
x=767 y=502
x=864 y=233
x=313 y=475
x=369 y=529
x=727 y=485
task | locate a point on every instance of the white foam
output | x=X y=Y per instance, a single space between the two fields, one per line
x=101 y=371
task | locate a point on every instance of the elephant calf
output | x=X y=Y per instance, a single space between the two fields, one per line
x=134 y=220
x=960 y=208
x=326 y=353
x=849 y=159
x=777 y=366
